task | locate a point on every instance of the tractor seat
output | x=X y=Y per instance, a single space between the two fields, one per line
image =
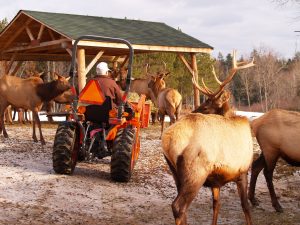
x=99 y=113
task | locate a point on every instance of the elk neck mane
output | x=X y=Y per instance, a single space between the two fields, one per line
x=48 y=91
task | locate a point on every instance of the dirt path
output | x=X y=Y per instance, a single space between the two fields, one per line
x=30 y=192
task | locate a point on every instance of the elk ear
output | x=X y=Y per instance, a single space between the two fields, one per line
x=153 y=77
x=68 y=78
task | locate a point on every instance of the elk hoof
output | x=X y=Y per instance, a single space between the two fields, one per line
x=254 y=202
x=278 y=208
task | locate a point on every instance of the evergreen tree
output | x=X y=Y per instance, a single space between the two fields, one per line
x=3 y=23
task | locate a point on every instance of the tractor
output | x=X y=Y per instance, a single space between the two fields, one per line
x=96 y=130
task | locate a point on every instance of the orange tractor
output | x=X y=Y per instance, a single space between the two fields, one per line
x=97 y=130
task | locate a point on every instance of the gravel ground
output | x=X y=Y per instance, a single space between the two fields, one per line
x=31 y=193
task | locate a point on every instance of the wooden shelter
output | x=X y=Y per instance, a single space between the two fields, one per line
x=44 y=36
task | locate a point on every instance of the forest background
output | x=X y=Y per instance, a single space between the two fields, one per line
x=273 y=82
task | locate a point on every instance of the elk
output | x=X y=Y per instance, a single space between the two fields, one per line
x=145 y=85
x=29 y=94
x=278 y=135
x=141 y=85
x=210 y=150
x=168 y=99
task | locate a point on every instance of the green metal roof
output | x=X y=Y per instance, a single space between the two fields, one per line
x=135 y=31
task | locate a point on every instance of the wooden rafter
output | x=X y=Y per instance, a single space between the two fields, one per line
x=42 y=27
x=69 y=51
x=16 y=34
x=10 y=63
x=43 y=44
x=51 y=34
x=17 y=67
x=29 y=33
x=125 y=61
x=94 y=60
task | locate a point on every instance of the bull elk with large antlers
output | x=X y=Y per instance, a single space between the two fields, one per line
x=209 y=150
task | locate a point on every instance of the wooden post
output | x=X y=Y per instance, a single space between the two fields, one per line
x=17 y=67
x=81 y=68
x=195 y=71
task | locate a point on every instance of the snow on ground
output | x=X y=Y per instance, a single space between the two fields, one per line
x=31 y=193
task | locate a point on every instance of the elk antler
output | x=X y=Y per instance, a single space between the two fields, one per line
x=235 y=67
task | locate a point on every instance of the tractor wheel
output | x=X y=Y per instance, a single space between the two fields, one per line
x=123 y=154
x=65 y=148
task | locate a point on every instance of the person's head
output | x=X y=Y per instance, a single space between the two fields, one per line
x=102 y=69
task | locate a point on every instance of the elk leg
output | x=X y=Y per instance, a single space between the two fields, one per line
x=162 y=122
x=33 y=127
x=268 y=172
x=186 y=194
x=216 y=203
x=173 y=170
x=242 y=184
x=257 y=166
x=21 y=116
x=190 y=182
x=154 y=117
x=37 y=120
x=3 y=106
x=171 y=113
x=14 y=114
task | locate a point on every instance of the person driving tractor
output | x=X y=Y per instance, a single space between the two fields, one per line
x=108 y=85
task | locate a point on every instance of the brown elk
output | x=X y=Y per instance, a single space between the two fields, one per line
x=149 y=86
x=141 y=85
x=209 y=150
x=278 y=135
x=30 y=94
x=169 y=100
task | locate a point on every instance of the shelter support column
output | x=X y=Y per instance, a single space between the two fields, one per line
x=192 y=68
x=195 y=71
x=81 y=68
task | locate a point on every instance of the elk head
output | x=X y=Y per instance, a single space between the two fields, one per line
x=157 y=81
x=218 y=102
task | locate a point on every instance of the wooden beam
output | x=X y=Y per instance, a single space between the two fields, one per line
x=125 y=61
x=195 y=71
x=16 y=34
x=17 y=67
x=41 y=31
x=69 y=51
x=43 y=44
x=9 y=65
x=186 y=63
x=145 y=47
x=51 y=34
x=28 y=31
x=94 y=60
x=35 y=56
x=81 y=68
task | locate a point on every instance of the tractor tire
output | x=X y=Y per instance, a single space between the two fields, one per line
x=65 y=148
x=121 y=159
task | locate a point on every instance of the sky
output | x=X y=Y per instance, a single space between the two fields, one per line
x=223 y=24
